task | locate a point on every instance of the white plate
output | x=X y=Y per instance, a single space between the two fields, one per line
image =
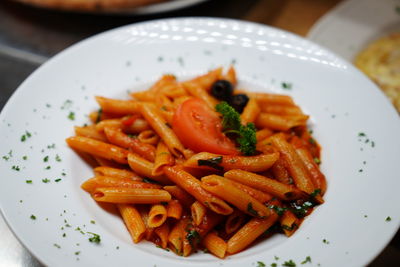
x=341 y=101
x=353 y=24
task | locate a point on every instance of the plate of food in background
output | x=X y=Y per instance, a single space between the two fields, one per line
x=138 y=7
x=366 y=33
x=253 y=138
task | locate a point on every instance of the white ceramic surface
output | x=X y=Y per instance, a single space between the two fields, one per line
x=353 y=24
x=362 y=171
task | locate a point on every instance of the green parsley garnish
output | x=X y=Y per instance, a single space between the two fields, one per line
x=57 y=180
x=212 y=162
x=315 y=193
x=286 y=85
x=289 y=263
x=274 y=264
x=28 y=181
x=251 y=210
x=232 y=124
x=95 y=238
x=33 y=217
x=45 y=180
x=388 y=219
x=58 y=158
x=260 y=264
x=99 y=114
x=46 y=159
x=57 y=245
x=277 y=209
x=149 y=181
x=325 y=241
x=71 y=115
x=193 y=237
x=25 y=157
x=317 y=160
x=15 y=168
x=308 y=259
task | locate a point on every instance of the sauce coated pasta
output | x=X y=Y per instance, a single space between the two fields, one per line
x=199 y=164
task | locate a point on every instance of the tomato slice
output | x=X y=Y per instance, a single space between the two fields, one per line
x=199 y=128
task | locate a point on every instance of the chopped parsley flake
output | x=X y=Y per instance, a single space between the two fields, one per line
x=51 y=146
x=325 y=241
x=251 y=210
x=289 y=263
x=317 y=160
x=46 y=159
x=307 y=259
x=33 y=217
x=71 y=115
x=388 y=219
x=92 y=222
x=95 y=238
x=28 y=181
x=25 y=157
x=25 y=136
x=58 y=158
x=45 y=180
x=99 y=115
x=212 y=162
x=48 y=168
x=57 y=245
x=274 y=264
x=277 y=209
x=286 y=85
x=57 y=180
x=260 y=264
x=67 y=104
x=64 y=235
x=15 y=168
x=77 y=252
x=315 y=193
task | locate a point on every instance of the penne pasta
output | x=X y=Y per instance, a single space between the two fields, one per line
x=223 y=188
x=117 y=173
x=193 y=187
x=162 y=158
x=268 y=185
x=198 y=211
x=174 y=209
x=157 y=215
x=117 y=137
x=215 y=244
x=165 y=132
x=98 y=148
x=130 y=195
x=257 y=163
x=279 y=122
x=249 y=232
x=184 y=197
x=234 y=221
x=133 y=221
x=105 y=181
x=118 y=107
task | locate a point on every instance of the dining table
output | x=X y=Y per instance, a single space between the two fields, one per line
x=29 y=36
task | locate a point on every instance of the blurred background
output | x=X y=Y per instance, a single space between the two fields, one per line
x=30 y=35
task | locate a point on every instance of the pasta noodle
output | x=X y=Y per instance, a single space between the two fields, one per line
x=187 y=171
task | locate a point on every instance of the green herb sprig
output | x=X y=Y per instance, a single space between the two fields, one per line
x=231 y=123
